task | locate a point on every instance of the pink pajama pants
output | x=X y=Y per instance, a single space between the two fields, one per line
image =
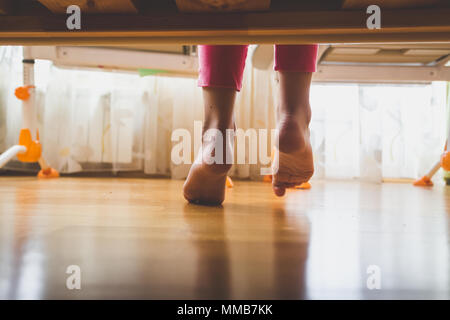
x=223 y=65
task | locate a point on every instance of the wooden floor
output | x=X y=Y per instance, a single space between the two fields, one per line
x=138 y=238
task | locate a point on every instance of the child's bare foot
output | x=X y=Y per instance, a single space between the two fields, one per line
x=205 y=183
x=295 y=158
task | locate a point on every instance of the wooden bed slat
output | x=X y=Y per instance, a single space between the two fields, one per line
x=381 y=58
x=427 y=52
x=425 y=25
x=222 y=5
x=91 y=6
x=401 y=46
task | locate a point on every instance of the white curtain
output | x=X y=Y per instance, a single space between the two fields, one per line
x=10 y=77
x=110 y=121
x=376 y=131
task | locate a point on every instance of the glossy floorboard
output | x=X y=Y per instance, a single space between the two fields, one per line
x=138 y=238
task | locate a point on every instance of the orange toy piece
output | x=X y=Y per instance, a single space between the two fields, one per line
x=445 y=161
x=23 y=93
x=48 y=173
x=229 y=182
x=425 y=181
x=34 y=149
x=304 y=186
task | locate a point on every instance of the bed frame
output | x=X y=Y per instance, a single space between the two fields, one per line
x=113 y=22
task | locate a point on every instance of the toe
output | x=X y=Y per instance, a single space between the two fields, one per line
x=279 y=190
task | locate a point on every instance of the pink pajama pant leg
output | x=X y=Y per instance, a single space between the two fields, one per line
x=223 y=65
x=298 y=58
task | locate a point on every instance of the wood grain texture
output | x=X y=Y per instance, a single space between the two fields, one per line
x=138 y=238
x=393 y=4
x=377 y=55
x=400 y=46
x=91 y=6
x=153 y=48
x=426 y=25
x=222 y=5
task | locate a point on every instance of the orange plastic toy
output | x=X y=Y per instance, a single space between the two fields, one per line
x=425 y=181
x=34 y=154
x=28 y=150
x=23 y=93
x=229 y=182
x=443 y=162
x=47 y=172
x=304 y=186
x=34 y=149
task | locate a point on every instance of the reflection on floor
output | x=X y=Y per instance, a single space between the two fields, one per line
x=136 y=238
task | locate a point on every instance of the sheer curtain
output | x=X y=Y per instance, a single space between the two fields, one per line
x=10 y=112
x=376 y=131
x=111 y=121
